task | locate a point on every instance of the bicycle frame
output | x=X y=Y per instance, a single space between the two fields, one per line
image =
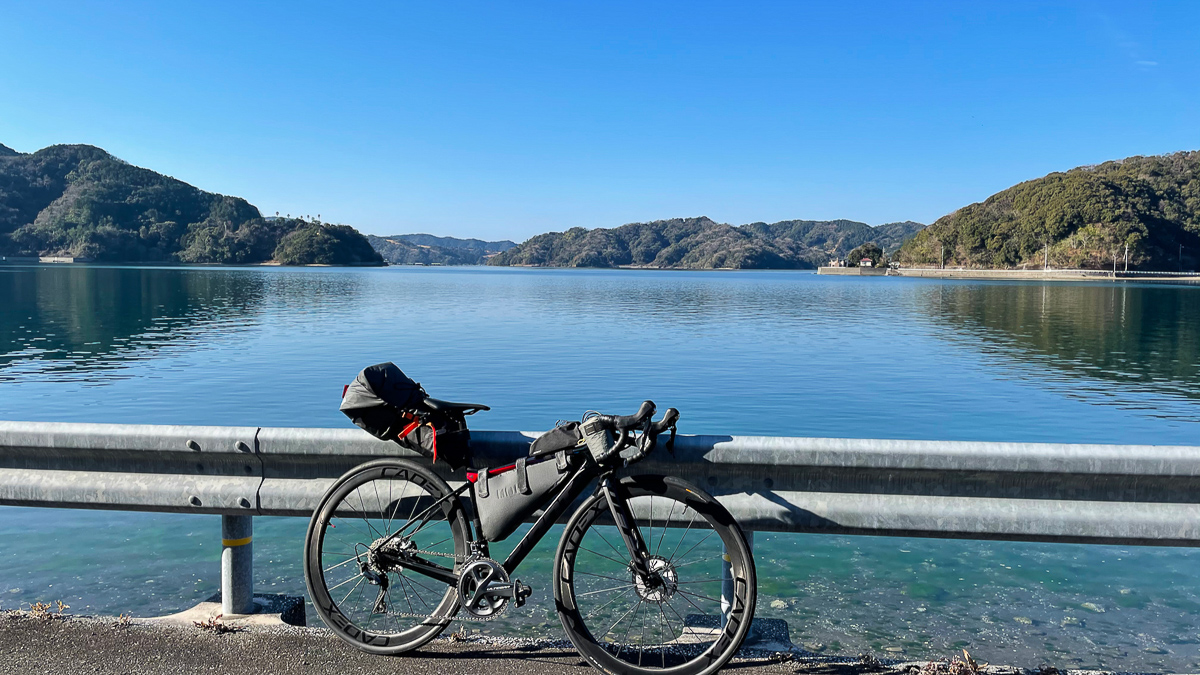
x=555 y=508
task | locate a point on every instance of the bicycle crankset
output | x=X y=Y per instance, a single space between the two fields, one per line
x=484 y=589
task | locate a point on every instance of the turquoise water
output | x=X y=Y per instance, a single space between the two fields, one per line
x=777 y=353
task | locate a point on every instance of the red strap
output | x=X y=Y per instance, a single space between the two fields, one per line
x=409 y=429
x=434 y=443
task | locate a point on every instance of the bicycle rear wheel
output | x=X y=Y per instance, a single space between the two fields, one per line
x=356 y=583
x=668 y=623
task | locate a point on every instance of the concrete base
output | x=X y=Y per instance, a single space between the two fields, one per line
x=854 y=271
x=270 y=610
x=769 y=634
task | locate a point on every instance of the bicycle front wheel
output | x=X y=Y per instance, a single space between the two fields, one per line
x=670 y=622
x=354 y=560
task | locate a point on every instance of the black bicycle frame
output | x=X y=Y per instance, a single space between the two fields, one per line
x=558 y=505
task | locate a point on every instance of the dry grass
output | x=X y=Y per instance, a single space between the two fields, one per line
x=955 y=666
x=215 y=625
x=47 y=611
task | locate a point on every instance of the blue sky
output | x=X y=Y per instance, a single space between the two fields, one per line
x=503 y=120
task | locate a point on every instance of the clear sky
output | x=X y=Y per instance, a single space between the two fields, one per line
x=504 y=120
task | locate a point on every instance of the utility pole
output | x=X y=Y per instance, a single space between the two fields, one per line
x=1046 y=255
x=1126 y=257
x=943 y=257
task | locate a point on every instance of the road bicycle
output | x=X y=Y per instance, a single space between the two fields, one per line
x=393 y=553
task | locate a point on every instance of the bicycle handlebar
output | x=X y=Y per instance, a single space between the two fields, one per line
x=667 y=421
x=620 y=423
x=625 y=426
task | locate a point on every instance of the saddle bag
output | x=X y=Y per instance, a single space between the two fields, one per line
x=506 y=496
x=387 y=404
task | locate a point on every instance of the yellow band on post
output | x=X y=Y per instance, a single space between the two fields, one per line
x=229 y=543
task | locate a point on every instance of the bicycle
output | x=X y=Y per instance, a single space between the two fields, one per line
x=639 y=560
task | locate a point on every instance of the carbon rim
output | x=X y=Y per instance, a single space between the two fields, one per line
x=364 y=508
x=670 y=623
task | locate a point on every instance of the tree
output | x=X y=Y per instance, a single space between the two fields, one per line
x=868 y=251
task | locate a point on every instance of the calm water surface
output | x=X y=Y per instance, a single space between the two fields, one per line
x=776 y=353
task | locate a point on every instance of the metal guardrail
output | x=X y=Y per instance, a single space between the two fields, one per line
x=1106 y=494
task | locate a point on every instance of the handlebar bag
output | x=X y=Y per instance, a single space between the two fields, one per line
x=505 y=497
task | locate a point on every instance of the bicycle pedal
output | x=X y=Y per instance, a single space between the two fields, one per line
x=521 y=592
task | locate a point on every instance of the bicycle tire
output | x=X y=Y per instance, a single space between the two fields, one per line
x=682 y=653
x=338 y=506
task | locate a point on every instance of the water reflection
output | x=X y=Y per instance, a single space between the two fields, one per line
x=85 y=322
x=1105 y=343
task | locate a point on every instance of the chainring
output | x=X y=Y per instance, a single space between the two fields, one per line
x=477 y=577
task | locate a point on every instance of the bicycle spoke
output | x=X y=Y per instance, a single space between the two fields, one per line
x=696 y=562
x=359 y=576
x=697 y=595
x=618 y=597
x=332 y=567
x=687 y=529
x=625 y=639
x=664 y=532
x=584 y=548
x=352 y=589
x=693 y=548
x=602 y=590
x=601 y=576
x=614 y=548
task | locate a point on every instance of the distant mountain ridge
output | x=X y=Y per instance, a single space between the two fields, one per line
x=80 y=201
x=702 y=243
x=427 y=249
x=454 y=242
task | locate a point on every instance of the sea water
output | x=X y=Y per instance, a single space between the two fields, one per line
x=771 y=353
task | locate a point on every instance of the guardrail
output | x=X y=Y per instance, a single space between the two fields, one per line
x=1106 y=494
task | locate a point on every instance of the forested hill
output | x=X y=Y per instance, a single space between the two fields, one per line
x=427 y=249
x=701 y=243
x=80 y=201
x=1086 y=216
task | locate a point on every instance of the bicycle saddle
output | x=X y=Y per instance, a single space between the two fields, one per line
x=447 y=406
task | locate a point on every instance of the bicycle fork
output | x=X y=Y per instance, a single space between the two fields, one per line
x=618 y=506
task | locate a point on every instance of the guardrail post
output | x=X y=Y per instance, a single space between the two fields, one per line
x=237 y=565
x=727 y=579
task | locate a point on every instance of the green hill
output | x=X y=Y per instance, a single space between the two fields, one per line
x=80 y=201
x=701 y=243
x=1078 y=219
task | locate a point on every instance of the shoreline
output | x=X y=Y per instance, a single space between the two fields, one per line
x=1179 y=278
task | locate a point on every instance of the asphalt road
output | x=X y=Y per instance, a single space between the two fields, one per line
x=78 y=646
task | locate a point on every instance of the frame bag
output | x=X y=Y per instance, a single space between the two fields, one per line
x=505 y=497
